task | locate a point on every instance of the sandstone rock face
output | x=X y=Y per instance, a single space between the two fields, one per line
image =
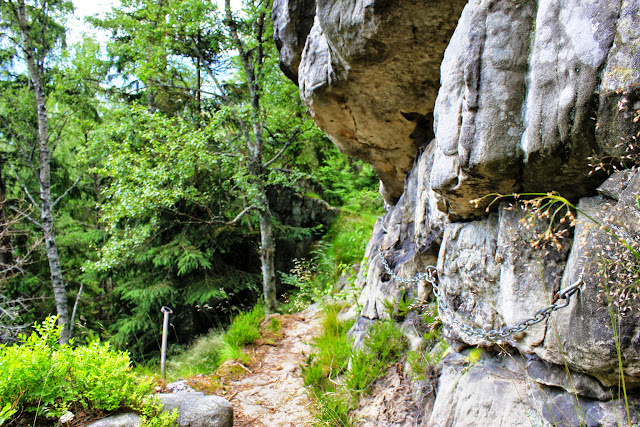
x=499 y=392
x=584 y=330
x=493 y=276
x=523 y=99
x=535 y=97
x=409 y=235
x=368 y=79
x=292 y=22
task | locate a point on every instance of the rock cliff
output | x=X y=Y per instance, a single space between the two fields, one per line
x=454 y=101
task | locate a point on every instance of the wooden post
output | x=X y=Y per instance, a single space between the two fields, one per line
x=165 y=332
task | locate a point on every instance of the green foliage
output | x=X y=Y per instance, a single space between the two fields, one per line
x=151 y=125
x=349 y=235
x=41 y=377
x=348 y=182
x=245 y=327
x=332 y=408
x=380 y=348
x=210 y=351
x=275 y=324
x=342 y=247
x=335 y=388
x=309 y=277
x=398 y=310
x=329 y=360
x=6 y=413
x=332 y=348
x=203 y=356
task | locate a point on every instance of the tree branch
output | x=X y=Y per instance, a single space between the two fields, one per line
x=241 y=123
x=286 y=145
x=73 y=313
x=13 y=208
x=24 y=188
x=53 y=205
x=240 y=215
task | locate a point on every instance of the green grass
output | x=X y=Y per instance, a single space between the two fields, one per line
x=349 y=235
x=335 y=387
x=342 y=247
x=210 y=351
x=380 y=349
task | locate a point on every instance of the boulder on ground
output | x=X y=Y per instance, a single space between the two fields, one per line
x=198 y=410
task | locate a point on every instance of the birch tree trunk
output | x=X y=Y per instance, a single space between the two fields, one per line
x=251 y=60
x=46 y=204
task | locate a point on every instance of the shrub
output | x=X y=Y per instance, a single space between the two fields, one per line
x=41 y=377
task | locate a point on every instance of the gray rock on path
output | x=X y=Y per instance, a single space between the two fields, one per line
x=195 y=410
x=120 y=420
x=198 y=410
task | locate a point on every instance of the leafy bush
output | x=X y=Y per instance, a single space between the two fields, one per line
x=43 y=378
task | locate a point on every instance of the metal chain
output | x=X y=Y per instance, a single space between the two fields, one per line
x=561 y=299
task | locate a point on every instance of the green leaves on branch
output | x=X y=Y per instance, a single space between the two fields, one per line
x=154 y=163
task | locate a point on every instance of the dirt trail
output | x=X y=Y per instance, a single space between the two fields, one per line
x=272 y=393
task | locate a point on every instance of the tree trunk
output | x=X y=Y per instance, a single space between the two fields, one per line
x=256 y=149
x=46 y=204
x=267 y=255
x=6 y=256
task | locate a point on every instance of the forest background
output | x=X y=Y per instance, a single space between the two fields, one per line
x=144 y=172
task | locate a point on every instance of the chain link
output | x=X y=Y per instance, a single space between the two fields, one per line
x=561 y=299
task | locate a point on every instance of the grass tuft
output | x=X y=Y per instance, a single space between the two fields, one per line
x=209 y=352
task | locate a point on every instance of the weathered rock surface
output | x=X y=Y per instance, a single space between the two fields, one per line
x=535 y=97
x=522 y=97
x=368 y=79
x=120 y=420
x=525 y=87
x=587 y=343
x=198 y=410
x=409 y=235
x=292 y=22
x=499 y=392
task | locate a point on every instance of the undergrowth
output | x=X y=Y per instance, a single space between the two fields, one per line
x=40 y=379
x=341 y=248
x=213 y=349
x=337 y=376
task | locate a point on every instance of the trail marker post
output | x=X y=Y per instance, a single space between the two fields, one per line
x=165 y=332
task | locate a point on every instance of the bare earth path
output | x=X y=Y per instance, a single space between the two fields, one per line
x=272 y=393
